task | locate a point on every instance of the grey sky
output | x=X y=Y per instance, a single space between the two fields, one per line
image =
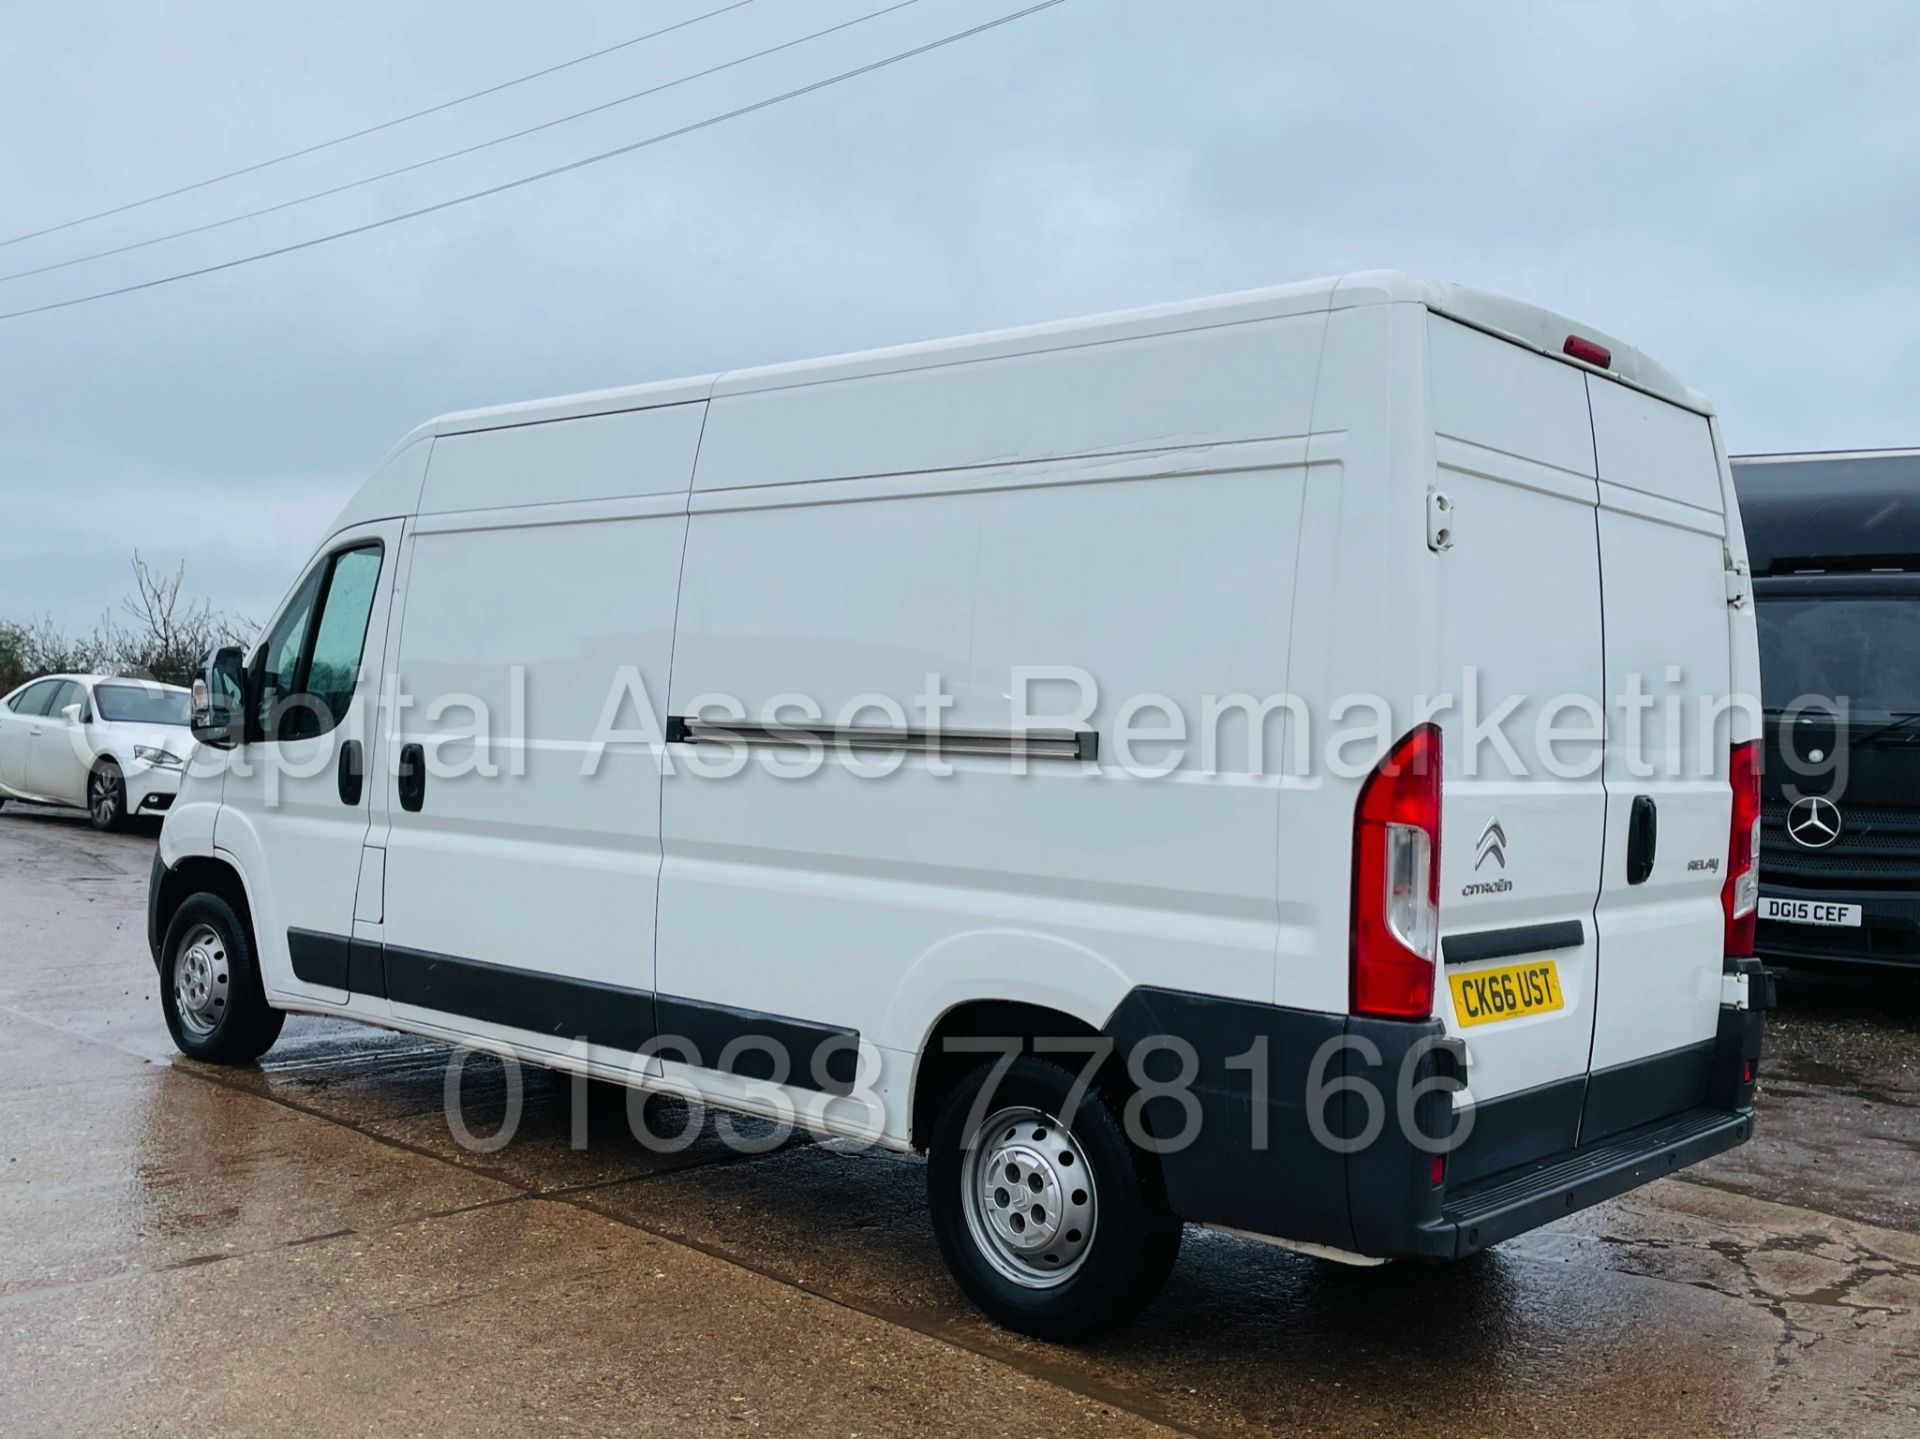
x=1734 y=186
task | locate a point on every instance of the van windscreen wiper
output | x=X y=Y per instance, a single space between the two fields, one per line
x=1889 y=729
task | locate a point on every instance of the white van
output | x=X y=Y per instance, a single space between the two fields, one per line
x=1027 y=749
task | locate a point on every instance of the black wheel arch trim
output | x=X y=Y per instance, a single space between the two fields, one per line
x=168 y=889
x=156 y=885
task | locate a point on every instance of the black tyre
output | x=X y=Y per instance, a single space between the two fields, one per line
x=107 y=796
x=1055 y=1230
x=210 y=986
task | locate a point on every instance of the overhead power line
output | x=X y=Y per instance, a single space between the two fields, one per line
x=451 y=154
x=259 y=165
x=547 y=174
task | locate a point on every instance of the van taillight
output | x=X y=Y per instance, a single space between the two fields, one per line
x=1591 y=351
x=1396 y=881
x=1740 y=895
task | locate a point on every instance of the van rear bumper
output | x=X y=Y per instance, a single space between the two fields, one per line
x=1654 y=1123
x=1301 y=1156
x=1502 y=1205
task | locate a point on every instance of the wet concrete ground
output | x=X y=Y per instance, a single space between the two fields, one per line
x=305 y=1248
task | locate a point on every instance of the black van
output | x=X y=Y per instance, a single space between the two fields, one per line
x=1834 y=543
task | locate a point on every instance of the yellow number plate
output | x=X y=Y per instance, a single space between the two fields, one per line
x=1481 y=996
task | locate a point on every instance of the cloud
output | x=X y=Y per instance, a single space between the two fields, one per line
x=1724 y=184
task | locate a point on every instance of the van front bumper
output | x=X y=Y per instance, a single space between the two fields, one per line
x=1299 y=1154
x=1888 y=934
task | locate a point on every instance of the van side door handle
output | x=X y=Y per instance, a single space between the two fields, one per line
x=1643 y=837
x=352 y=772
x=413 y=777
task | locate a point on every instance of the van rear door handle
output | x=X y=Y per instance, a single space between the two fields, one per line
x=351 y=772
x=1643 y=837
x=413 y=777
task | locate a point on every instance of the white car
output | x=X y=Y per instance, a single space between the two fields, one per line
x=112 y=746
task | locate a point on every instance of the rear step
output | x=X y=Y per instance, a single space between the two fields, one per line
x=1515 y=1200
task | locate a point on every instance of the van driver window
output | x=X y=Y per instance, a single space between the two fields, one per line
x=334 y=668
x=312 y=658
x=282 y=661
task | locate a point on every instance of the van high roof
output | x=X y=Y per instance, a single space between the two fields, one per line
x=1529 y=325
x=1852 y=510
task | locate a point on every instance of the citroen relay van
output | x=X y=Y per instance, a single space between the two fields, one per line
x=1165 y=767
x=1834 y=541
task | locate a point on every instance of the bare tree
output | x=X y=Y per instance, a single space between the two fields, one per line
x=159 y=634
x=166 y=635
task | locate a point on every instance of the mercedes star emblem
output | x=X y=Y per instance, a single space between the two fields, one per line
x=1814 y=821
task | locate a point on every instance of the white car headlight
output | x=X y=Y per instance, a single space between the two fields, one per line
x=159 y=758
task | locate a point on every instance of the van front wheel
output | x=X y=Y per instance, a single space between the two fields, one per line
x=210 y=986
x=107 y=797
x=1053 y=1229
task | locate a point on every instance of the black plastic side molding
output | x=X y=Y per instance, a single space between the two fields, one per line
x=1516 y=939
x=322 y=959
x=746 y=1042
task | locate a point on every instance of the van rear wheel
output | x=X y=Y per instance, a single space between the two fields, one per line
x=210 y=989
x=1058 y=1230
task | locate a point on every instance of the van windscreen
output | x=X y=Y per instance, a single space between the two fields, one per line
x=1857 y=649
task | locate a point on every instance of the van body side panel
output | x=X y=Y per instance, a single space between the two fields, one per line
x=1518 y=631
x=879 y=903
x=1348 y=633
x=1203 y=386
x=600 y=457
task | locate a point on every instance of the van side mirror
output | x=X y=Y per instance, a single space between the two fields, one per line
x=219 y=698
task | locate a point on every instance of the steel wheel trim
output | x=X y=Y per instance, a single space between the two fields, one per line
x=102 y=800
x=201 y=983
x=1028 y=1194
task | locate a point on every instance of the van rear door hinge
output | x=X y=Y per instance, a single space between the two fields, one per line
x=1439 y=521
x=1739 y=583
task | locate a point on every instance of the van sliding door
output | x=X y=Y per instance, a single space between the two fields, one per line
x=522 y=838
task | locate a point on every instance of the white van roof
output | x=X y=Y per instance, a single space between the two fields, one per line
x=1529 y=325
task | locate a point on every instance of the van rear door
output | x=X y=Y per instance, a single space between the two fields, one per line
x=1662 y=524
x=1518 y=621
